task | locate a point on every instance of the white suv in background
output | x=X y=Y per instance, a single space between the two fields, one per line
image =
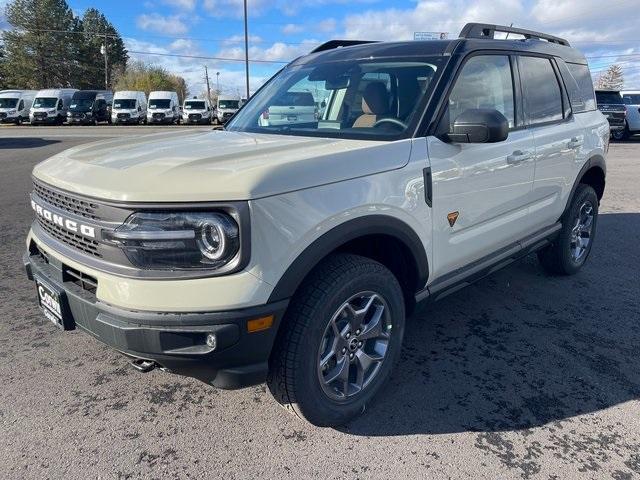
x=292 y=252
x=631 y=99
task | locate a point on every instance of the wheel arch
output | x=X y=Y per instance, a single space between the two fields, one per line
x=592 y=173
x=381 y=237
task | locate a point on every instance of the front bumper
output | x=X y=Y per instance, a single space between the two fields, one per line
x=174 y=341
x=126 y=121
x=43 y=120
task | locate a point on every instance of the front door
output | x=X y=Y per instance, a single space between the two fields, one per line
x=481 y=192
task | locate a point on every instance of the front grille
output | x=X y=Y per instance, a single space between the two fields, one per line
x=158 y=116
x=3 y=115
x=227 y=115
x=66 y=202
x=79 y=242
x=123 y=116
x=195 y=117
x=40 y=115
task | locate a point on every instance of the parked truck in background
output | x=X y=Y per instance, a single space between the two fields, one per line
x=611 y=105
x=88 y=107
x=129 y=107
x=631 y=99
x=50 y=106
x=163 y=107
x=197 y=111
x=15 y=105
x=226 y=108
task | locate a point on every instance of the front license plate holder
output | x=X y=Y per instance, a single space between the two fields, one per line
x=54 y=305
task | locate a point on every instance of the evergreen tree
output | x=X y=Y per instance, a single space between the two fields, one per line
x=612 y=78
x=98 y=30
x=37 y=49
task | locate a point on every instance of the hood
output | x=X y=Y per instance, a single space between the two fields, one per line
x=214 y=165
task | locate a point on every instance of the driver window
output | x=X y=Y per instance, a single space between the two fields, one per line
x=59 y=104
x=484 y=82
x=21 y=105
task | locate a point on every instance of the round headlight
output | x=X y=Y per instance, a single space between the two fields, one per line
x=212 y=241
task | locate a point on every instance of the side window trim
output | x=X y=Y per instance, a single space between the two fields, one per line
x=563 y=95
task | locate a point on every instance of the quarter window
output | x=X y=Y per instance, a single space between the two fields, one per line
x=582 y=75
x=542 y=93
x=484 y=82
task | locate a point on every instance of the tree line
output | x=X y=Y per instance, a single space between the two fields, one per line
x=48 y=46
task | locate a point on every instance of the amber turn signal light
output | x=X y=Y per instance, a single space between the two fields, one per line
x=259 y=324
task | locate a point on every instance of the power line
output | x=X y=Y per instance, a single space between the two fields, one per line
x=202 y=57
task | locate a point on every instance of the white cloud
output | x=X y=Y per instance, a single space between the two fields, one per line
x=188 y=5
x=170 y=24
x=327 y=26
x=291 y=28
x=237 y=39
x=276 y=52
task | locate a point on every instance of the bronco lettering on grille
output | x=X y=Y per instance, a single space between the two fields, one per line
x=66 y=223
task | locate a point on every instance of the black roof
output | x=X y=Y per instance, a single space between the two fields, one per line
x=337 y=50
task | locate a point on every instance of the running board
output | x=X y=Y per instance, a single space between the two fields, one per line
x=479 y=269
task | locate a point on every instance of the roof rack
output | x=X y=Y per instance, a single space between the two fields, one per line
x=331 y=44
x=485 y=30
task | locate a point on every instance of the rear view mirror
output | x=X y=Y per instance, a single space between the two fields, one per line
x=337 y=83
x=482 y=125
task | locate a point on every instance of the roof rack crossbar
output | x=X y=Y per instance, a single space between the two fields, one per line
x=485 y=30
x=331 y=44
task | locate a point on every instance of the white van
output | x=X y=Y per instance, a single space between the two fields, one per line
x=129 y=107
x=51 y=106
x=226 y=108
x=163 y=107
x=197 y=110
x=15 y=105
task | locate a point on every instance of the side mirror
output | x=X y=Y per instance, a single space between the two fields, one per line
x=482 y=125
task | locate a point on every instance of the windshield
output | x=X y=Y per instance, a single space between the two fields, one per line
x=159 y=103
x=124 y=103
x=631 y=98
x=194 y=106
x=608 y=97
x=45 y=102
x=366 y=99
x=231 y=104
x=81 y=103
x=8 y=102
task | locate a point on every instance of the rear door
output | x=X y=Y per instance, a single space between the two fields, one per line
x=557 y=135
x=480 y=191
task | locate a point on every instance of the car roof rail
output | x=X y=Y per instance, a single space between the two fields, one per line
x=331 y=44
x=485 y=30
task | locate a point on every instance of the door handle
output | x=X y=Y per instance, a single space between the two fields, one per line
x=575 y=143
x=518 y=157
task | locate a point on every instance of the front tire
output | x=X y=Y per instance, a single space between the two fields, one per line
x=339 y=341
x=570 y=250
x=621 y=135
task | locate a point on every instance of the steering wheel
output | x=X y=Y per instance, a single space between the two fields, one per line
x=394 y=121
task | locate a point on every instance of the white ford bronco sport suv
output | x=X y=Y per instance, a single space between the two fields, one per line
x=292 y=253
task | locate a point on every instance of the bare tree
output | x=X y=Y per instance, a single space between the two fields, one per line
x=611 y=79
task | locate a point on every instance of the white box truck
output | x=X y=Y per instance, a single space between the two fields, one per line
x=15 y=105
x=129 y=107
x=163 y=107
x=51 y=106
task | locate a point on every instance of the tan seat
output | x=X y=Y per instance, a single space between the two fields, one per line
x=375 y=103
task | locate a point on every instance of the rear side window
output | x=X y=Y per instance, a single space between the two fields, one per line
x=631 y=98
x=542 y=93
x=582 y=76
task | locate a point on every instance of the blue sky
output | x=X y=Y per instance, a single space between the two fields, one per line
x=607 y=31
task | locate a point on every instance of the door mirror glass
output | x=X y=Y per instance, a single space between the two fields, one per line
x=479 y=125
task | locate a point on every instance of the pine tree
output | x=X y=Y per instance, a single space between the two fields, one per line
x=612 y=78
x=37 y=50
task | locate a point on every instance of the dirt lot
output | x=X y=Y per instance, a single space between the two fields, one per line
x=519 y=376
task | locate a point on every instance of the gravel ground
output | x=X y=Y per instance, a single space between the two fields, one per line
x=521 y=375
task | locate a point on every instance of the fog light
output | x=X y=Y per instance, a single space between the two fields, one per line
x=212 y=341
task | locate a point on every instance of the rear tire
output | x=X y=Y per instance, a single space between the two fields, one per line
x=570 y=250
x=621 y=135
x=346 y=321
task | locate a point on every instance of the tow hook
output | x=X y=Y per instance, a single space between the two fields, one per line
x=142 y=365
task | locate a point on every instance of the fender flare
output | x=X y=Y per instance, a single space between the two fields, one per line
x=340 y=235
x=595 y=161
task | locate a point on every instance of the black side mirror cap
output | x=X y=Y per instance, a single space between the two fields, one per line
x=481 y=125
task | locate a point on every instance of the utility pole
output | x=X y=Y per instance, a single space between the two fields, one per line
x=106 y=62
x=246 y=46
x=206 y=76
x=218 y=83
